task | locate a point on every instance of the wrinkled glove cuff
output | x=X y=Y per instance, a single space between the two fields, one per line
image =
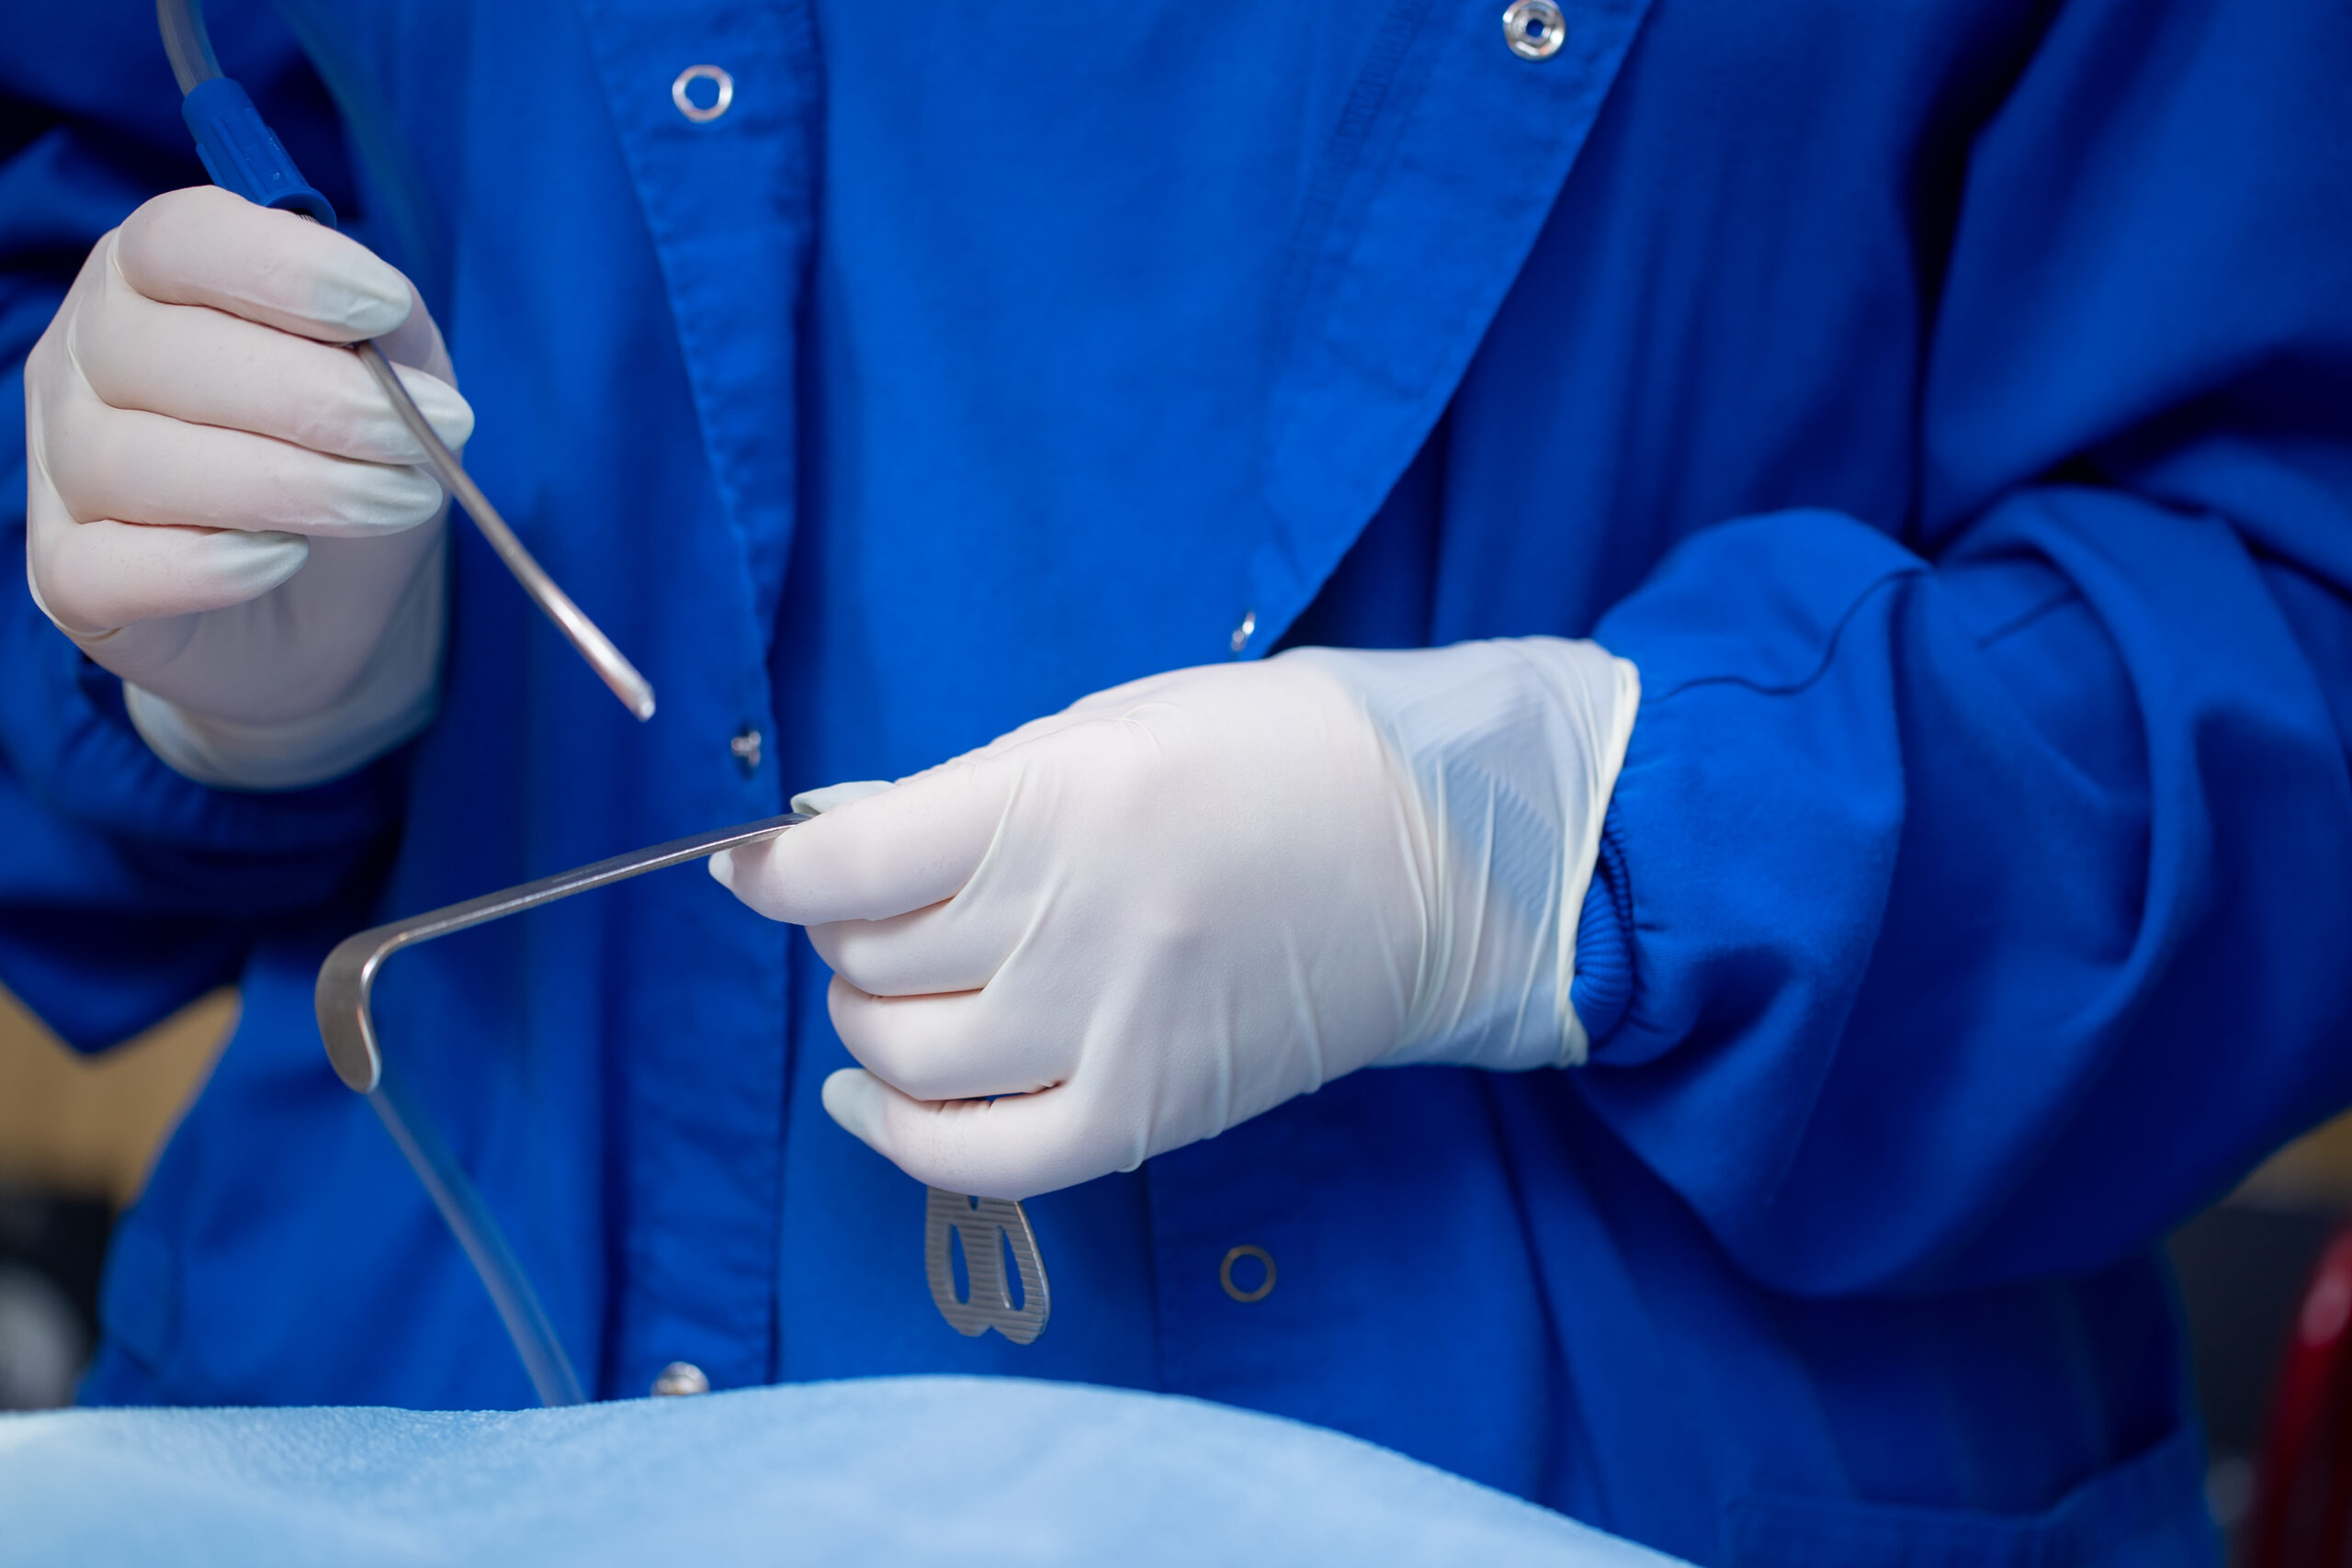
x=396 y=696
x=1509 y=749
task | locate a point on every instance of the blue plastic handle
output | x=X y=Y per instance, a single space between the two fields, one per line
x=243 y=154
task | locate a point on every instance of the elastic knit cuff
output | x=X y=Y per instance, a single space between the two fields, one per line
x=1602 y=991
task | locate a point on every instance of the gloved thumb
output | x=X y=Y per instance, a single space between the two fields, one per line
x=874 y=850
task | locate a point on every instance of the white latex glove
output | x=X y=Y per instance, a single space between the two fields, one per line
x=221 y=507
x=1187 y=899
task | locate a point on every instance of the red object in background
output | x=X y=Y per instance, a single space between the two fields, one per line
x=2302 y=1512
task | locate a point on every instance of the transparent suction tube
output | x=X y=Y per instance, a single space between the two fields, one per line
x=485 y=1245
x=185 y=41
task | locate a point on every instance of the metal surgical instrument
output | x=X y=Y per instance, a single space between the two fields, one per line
x=243 y=155
x=348 y=1029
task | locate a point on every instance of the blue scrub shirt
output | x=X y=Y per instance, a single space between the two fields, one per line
x=1947 y=406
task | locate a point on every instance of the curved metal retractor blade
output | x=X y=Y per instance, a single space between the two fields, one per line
x=348 y=1029
x=349 y=973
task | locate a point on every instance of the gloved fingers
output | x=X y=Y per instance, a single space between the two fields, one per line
x=131 y=466
x=938 y=822
x=945 y=1047
x=1014 y=1147
x=207 y=368
x=93 y=578
x=817 y=802
x=204 y=246
x=417 y=342
x=958 y=945
x=905 y=849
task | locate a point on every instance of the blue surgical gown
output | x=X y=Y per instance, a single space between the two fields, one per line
x=1947 y=404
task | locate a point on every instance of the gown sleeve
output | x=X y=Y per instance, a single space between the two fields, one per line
x=1978 y=903
x=126 y=890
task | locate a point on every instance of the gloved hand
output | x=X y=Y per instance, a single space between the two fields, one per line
x=221 y=507
x=1185 y=900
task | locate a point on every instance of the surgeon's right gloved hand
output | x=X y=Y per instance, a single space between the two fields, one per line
x=1185 y=900
x=222 y=507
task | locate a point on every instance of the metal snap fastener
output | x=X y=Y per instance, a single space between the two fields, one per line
x=723 y=90
x=1245 y=631
x=680 y=1377
x=1264 y=1288
x=745 y=746
x=1534 y=29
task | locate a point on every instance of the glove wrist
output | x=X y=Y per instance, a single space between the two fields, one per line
x=1508 y=751
x=393 y=698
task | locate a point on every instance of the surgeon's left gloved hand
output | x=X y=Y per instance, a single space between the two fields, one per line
x=1182 y=901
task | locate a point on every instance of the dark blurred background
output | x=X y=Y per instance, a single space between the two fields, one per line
x=78 y=1137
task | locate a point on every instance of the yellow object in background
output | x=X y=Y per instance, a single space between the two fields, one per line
x=91 y=1126
x=2312 y=1172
